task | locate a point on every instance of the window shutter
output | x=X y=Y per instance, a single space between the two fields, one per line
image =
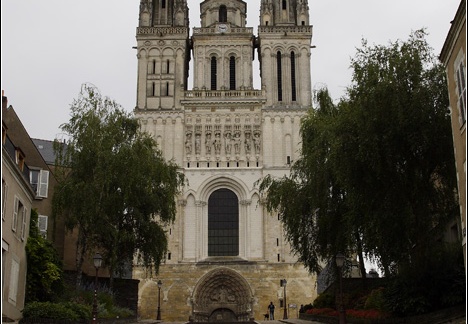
x=4 y=197
x=23 y=225
x=43 y=184
x=43 y=225
x=34 y=179
x=15 y=214
x=13 y=289
x=461 y=89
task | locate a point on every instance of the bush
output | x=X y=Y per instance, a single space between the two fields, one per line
x=105 y=301
x=376 y=300
x=83 y=311
x=114 y=312
x=429 y=284
x=371 y=314
x=72 y=311
x=44 y=273
x=307 y=307
x=324 y=300
x=65 y=311
x=323 y=311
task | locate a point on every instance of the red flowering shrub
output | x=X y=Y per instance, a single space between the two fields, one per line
x=366 y=313
x=321 y=311
x=356 y=313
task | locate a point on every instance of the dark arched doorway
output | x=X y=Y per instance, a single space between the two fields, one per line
x=222 y=315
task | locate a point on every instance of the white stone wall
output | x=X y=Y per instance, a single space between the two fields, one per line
x=162 y=54
x=238 y=45
x=258 y=136
x=286 y=39
x=261 y=236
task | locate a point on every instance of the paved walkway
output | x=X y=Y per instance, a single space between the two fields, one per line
x=289 y=321
x=280 y=321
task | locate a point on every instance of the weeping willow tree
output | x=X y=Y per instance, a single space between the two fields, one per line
x=310 y=201
x=376 y=176
x=114 y=186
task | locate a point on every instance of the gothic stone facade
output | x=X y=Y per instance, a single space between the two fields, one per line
x=227 y=254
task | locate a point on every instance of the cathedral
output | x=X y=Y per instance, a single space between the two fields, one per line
x=228 y=257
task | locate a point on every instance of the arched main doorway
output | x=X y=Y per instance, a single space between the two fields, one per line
x=222 y=315
x=222 y=295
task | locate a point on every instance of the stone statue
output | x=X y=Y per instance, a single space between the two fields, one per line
x=257 y=142
x=217 y=143
x=237 y=141
x=208 y=143
x=227 y=142
x=248 y=143
x=188 y=143
x=197 y=143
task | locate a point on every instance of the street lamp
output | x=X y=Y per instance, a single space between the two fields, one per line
x=340 y=259
x=285 y=315
x=97 y=259
x=158 y=317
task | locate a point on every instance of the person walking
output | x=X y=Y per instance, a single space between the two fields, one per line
x=301 y=310
x=271 y=310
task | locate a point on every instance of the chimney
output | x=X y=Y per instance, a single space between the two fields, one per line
x=4 y=100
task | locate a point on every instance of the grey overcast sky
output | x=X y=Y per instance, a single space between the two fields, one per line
x=51 y=47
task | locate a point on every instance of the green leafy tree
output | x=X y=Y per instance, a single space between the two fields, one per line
x=395 y=152
x=309 y=201
x=115 y=188
x=376 y=174
x=44 y=275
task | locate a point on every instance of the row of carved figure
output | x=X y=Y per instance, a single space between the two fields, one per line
x=232 y=144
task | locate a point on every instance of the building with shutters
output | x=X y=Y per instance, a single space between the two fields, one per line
x=453 y=56
x=227 y=255
x=26 y=185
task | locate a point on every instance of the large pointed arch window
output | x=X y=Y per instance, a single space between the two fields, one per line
x=279 y=76
x=222 y=13
x=213 y=73
x=293 y=76
x=232 y=73
x=223 y=223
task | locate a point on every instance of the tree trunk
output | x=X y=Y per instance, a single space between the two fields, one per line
x=385 y=266
x=80 y=252
x=111 y=278
x=362 y=266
